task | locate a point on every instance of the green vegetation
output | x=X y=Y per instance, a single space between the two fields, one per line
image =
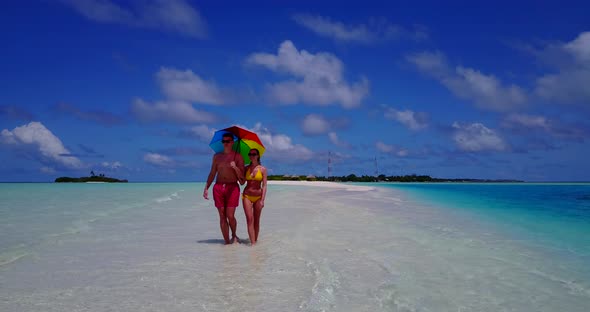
x=92 y=178
x=380 y=178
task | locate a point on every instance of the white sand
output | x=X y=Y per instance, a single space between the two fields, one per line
x=169 y=256
x=323 y=247
x=334 y=185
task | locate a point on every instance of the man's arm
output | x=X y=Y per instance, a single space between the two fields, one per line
x=210 y=178
x=240 y=164
x=242 y=168
x=239 y=173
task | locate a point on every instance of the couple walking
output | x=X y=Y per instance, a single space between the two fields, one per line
x=229 y=168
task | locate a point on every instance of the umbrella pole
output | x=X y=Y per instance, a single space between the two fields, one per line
x=238 y=150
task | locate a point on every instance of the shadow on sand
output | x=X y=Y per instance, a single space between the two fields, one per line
x=244 y=241
x=212 y=241
x=222 y=242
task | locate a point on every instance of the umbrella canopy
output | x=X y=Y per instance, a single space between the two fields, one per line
x=244 y=141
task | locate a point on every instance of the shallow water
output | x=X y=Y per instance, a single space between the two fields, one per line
x=157 y=247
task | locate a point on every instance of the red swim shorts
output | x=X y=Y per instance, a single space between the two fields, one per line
x=226 y=195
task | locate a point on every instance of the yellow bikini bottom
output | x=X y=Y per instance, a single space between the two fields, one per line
x=251 y=198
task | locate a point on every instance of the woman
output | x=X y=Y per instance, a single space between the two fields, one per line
x=254 y=194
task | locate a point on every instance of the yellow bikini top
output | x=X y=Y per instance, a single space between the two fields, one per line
x=257 y=177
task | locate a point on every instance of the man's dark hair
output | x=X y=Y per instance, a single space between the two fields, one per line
x=228 y=135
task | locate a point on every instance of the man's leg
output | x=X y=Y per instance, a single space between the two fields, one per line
x=223 y=224
x=233 y=224
x=233 y=201
x=218 y=197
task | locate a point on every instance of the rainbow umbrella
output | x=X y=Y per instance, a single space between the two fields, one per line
x=244 y=141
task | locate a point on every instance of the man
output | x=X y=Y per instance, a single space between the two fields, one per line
x=228 y=167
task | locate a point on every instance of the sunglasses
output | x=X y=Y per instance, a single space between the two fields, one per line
x=226 y=141
x=252 y=154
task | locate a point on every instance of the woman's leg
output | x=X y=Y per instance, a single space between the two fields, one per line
x=257 y=212
x=248 y=211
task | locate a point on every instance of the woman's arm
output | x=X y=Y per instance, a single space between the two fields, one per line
x=263 y=186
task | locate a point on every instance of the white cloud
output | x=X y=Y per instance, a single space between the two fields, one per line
x=187 y=86
x=375 y=29
x=202 y=132
x=182 y=89
x=390 y=149
x=325 y=27
x=527 y=121
x=158 y=160
x=571 y=61
x=169 y=15
x=486 y=91
x=529 y=125
x=280 y=146
x=170 y=111
x=112 y=165
x=385 y=148
x=433 y=63
x=410 y=119
x=47 y=170
x=476 y=137
x=565 y=87
x=44 y=143
x=580 y=48
x=314 y=124
x=402 y=153
x=336 y=141
x=318 y=78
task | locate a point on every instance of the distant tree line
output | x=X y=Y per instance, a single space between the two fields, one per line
x=89 y=179
x=380 y=178
x=92 y=178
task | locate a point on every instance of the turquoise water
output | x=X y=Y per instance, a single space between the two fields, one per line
x=554 y=216
x=35 y=213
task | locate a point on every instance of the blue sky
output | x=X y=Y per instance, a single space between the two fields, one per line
x=135 y=89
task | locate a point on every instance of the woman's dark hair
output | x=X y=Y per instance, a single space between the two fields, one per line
x=228 y=135
x=257 y=152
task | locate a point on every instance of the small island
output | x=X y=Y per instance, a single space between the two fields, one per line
x=101 y=178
